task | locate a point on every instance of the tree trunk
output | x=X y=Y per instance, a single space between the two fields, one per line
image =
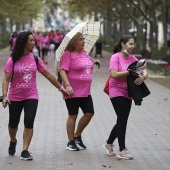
x=164 y=21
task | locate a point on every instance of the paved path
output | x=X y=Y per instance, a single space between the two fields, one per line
x=148 y=132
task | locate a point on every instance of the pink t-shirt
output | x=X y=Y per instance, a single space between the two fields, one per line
x=118 y=87
x=57 y=38
x=13 y=42
x=45 y=41
x=78 y=67
x=23 y=85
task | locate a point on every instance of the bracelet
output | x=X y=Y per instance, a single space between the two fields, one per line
x=60 y=88
x=67 y=85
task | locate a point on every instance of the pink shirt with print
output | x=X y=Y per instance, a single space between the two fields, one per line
x=118 y=87
x=23 y=85
x=78 y=67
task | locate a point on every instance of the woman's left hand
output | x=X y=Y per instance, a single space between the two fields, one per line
x=139 y=80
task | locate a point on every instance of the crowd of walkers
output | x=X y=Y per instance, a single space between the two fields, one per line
x=44 y=42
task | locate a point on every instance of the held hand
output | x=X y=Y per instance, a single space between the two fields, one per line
x=139 y=80
x=64 y=92
x=69 y=90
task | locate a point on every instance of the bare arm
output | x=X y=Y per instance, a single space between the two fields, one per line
x=116 y=74
x=66 y=82
x=145 y=74
x=64 y=77
x=54 y=81
x=5 y=86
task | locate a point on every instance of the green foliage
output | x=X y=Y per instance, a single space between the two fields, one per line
x=158 y=69
x=145 y=53
x=137 y=48
x=52 y=5
x=159 y=54
x=107 y=40
x=4 y=40
x=20 y=12
x=167 y=58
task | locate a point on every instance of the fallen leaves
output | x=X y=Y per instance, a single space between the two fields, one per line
x=106 y=166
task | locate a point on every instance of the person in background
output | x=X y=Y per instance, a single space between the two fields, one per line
x=76 y=72
x=118 y=93
x=21 y=69
x=37 y=38
x=45 y=44
x=12 y=41
x=57 y=39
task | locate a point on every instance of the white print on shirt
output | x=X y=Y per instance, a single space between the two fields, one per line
x=26 y=72
x=86 y=64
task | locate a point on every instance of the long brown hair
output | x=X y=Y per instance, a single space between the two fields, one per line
x=21 y=42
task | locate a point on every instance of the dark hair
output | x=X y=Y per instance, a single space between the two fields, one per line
x=21 y=41
x=14 y=34
x=71 y=45
x=124 y=39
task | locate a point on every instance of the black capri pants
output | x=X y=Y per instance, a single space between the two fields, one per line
x=85 y=103
x=15 y=110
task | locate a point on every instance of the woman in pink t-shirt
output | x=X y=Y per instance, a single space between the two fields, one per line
x=76 y=72
x=118 y=93
x=44 y=45
x=21 y=69
x=13 y=40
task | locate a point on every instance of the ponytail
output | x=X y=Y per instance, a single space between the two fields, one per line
x=117 y=48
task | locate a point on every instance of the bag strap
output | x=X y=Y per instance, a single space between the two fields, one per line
x=36 y=59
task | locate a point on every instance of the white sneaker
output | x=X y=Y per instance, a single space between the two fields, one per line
x=109 y=149
x=124 y=155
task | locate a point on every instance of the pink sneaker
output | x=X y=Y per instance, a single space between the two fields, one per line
x=109 y=149
x=124 y=155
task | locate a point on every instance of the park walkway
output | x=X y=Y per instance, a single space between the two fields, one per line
x=148 y=131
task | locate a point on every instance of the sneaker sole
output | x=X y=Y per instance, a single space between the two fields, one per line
x=26 y=159
x=70 y=149
x=108 y=152
x=122 y=157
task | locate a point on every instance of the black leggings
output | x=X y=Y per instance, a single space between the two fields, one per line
x=122 y=108
x=15 y=109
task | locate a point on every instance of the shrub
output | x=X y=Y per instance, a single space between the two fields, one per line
x=158 y=69
x=4 y=40
x=146 y=53
x=159 y=54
